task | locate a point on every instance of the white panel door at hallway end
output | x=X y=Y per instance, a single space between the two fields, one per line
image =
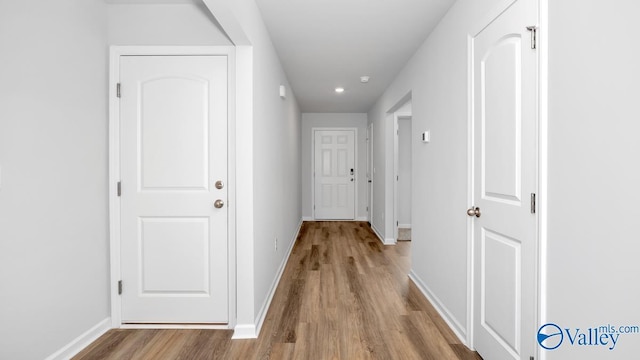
x=334 y=174
x=504 y=179
x=173 y=149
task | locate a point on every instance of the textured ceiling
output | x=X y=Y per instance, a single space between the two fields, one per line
x=328 y=43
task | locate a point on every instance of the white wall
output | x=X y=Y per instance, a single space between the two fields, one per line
x=593 y=242
x=54 y=272
x=163 y=24
x=436 y=79
x=268 y=149
x=334 y=120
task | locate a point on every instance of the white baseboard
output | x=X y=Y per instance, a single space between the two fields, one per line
x=251 y=331
x=244 y=331
x=82 y=341
x=457 y=328
x=404 y=226
x=308 y=218
x=362 y=218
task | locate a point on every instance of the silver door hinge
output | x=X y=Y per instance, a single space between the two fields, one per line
x=533 y=203
x=120 y=287
x=531 y=358
x=534 y=33
x=119 y=188
x=118 y=90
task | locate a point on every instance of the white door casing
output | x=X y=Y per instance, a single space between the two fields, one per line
x=173 y=150
x=334 y=174
x=504 y=237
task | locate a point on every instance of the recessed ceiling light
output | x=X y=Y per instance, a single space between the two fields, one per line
x=364 y=79
x=339 y=90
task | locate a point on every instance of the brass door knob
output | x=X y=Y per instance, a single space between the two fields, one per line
x=474 y=212
x=218 y=204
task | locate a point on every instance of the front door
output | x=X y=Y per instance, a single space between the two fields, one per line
x=505 y=173
x=173 y=133
x=334 y=159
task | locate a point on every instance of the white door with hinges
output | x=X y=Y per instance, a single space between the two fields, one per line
x=334 y=168
x=173 y=150
x=505 y=113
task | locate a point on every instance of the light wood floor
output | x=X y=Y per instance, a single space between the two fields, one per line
x=343 y=295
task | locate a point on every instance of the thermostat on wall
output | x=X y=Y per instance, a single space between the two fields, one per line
x=426 y=136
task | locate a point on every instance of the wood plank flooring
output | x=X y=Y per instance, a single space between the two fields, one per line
x=343 y=295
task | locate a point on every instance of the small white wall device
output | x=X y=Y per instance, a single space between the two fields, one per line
x=283 y=92
x=426 y=136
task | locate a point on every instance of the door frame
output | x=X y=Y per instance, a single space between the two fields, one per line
x=370 y=173
x=355 y=164
x=396 y=165
x=114 y=174
x=541 y=164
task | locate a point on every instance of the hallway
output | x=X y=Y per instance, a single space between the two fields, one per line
x=343 y=295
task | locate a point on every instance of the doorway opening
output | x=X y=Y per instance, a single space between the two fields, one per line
x=402 y=170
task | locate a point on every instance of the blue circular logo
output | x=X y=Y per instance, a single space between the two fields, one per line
x=550 y=336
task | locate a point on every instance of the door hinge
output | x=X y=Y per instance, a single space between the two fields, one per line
x=119 y=188
x=118 y=90
x=367 y=209
x=119 y=287
x=533 y=203
x=534 y=36
x=531 y=358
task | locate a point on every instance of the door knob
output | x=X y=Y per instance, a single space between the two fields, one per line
x=219 y=184
x=218 y=204
x=474 y=212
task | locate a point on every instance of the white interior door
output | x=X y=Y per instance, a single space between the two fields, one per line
x=334 y=159
x=173 y=121
x=505 y=234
